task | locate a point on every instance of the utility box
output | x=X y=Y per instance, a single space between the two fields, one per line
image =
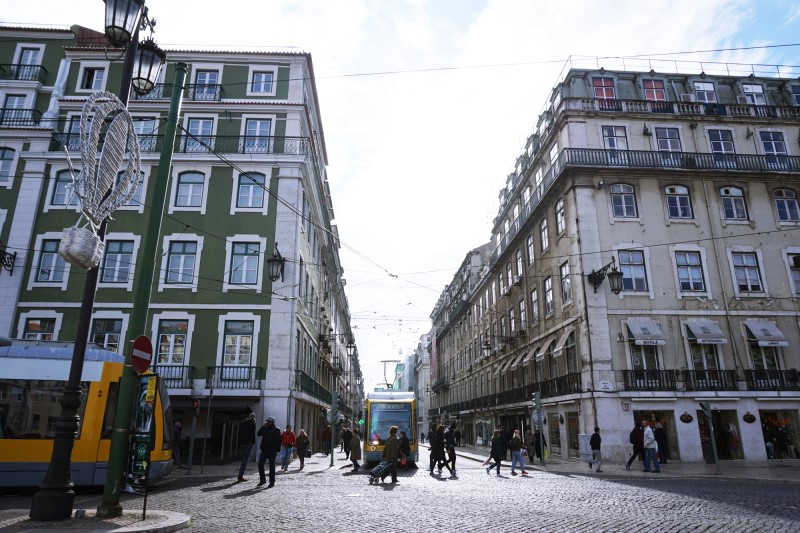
x=584 y=448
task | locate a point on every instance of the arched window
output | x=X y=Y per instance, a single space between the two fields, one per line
x=786 y=204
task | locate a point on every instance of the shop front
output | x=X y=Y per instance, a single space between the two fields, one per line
x=726 y=434
x=779 y=429
x=664 y=430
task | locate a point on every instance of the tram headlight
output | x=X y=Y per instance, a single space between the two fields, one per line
x=374 y=442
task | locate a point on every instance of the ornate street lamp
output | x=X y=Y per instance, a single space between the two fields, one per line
x=122 y=20
x=149 y=60
x=275 y=265
x=614 y=277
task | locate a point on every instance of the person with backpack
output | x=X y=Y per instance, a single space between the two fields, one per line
x=636 y=438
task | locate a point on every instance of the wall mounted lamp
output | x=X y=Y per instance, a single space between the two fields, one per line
x=275 y=265
x=614 y=277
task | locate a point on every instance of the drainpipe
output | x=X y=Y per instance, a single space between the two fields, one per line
x=586 y=314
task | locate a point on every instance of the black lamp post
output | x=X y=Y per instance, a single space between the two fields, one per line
x=275 y=265
x=614 y=277
x=55 y=498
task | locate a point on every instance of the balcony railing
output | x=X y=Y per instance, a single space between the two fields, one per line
x=234 y=377
x=343 y=408
x=681 y=108
x=175 y=376
x=23 y=72
x=764 y=380
x=560 y=386
x=204 y=92
x=72 y=141
x=649 y=380
x=710 y=380
x=308 y=385
x=14 y=116
x=161 y=91
x=198 y=144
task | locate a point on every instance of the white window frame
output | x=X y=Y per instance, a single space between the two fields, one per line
x=264 y=209
x=723 y=195
x=86 y=65
x=16 y=148
x=55 y=170
x=787 y=254
x=561 y=223
x=638 y=247
x=697 y=90
x=112 y=315
x=752 y=95
x=198 y=116
x=177 y=170
x=244 y=239
x=796 y=201
x=544 y=237
x=237 y=317
x=678 y=191
x=40 y=313
x=146 y=171
x=547 y=289
x=612 y=215
x=25 y=46
x=653 y=90
x=680 y=294
x=761 y=273
x=165 y=247
x=565 y=283
x=262 y=68
x=173 y=315
x=37 y=253
x=134 y=258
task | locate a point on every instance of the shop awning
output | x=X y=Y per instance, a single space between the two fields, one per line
x=517 y=361
x=502 y=367
x=531 y=353
x=765 y=332
x=704 y=331
x=645 y=332
x=562 y=340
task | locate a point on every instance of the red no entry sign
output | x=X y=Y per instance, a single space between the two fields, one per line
x=141 y=354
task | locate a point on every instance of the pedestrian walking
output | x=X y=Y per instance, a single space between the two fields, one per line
x=516 y=454
x=505 y=438
x=660 y=435
x=326 y=439
x=438 y=457
x=391 y=451
x=529 y=445
x=650 y=449
x=457 y=435
x=270 y=446
x=597 y=454
x=288 y=443
x=405 y=450
x=450 y=446
x=303 y=445
x=176 y=443
x=347 y=436
x=247 y=438
x=539 y=444
x=497 y=452
x=636 y=438
x=355 y=449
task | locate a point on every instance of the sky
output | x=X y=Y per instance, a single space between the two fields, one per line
x=426 y=105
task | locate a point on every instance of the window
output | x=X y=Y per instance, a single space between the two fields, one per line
x=786 y=204
x=668 y=141
x=523 y=317
x=774 y=149
x=238 y=342
x=548 y=296
x=746 y=272
x=136 y=199
x=29 y=61
x=118 y=262
x=146 y=130
x=531 y=253
x=690 y=272
x=552 y=359
x=704 y=92
x=566 y=287
x=615 y=140
x=6 y=159
x=603 y=88
x=13 y=111
x=244 y=263
x=39 y=329
x=654 y=90
x=543 y=234
x=553 y=154
x=534 y=306
x=199 y=137
x=537 y=177
x=794 y=269
x=206 y=85
x=262 y=82
x=93 y=78
x=171 y=341
x=51 y=265
x=520 y=264
x=623 y=201
x=560 y=222
x=106 y=332
x=733 y=204
x=571 y=350
x=257 y=136
x=64 y=190
x=251 y=191
x=512 y=322
x=181 y=261
x=754 y=94
x=796 y=94
x=679 y=205
x=722 y=148
x=644 y=357
x=632 y=266
x=764 y=357
x=190 y=190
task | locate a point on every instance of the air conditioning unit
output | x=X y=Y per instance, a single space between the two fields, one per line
x=742 y=100
x=687 y=97
x=517 y=281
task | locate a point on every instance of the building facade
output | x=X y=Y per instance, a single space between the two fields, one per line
x=687 y=184
x=247 y=180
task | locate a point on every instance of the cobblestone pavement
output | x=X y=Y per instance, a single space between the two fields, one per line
x=321 y=498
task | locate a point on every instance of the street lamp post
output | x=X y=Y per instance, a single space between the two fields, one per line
x=55 y=498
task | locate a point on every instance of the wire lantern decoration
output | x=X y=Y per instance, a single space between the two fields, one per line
x=96 y=186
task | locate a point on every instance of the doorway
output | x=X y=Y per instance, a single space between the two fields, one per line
x=726 y=434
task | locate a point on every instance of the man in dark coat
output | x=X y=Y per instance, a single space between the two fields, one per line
x=270 y=446
x=247 y=438
x=450 y=446
x=636 y=438
x=438 y=450
x=663 y=445
x=391 y=452
x=505 y=438
x=347 y=436
x=176 y=443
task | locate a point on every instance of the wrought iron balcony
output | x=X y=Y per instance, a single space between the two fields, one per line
x=204 y=92
x=649 y=380
x=771 y=380
x=14 y=116
x=198 y=144
x=72 y=141
x=234 y=377
x=175 y=376
x=162 y=91
x=681 y=108
x=560 y=386
x=23 y=72
x=308 y=385
x=710 y=380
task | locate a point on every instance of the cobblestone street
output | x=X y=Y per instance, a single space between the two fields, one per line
x=321 y=498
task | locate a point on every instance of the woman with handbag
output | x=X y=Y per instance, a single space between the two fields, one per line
x=405 y=450
x=303 y=446
x=355 y=449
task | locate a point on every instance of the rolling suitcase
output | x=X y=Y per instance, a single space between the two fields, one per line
x=379 y=471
